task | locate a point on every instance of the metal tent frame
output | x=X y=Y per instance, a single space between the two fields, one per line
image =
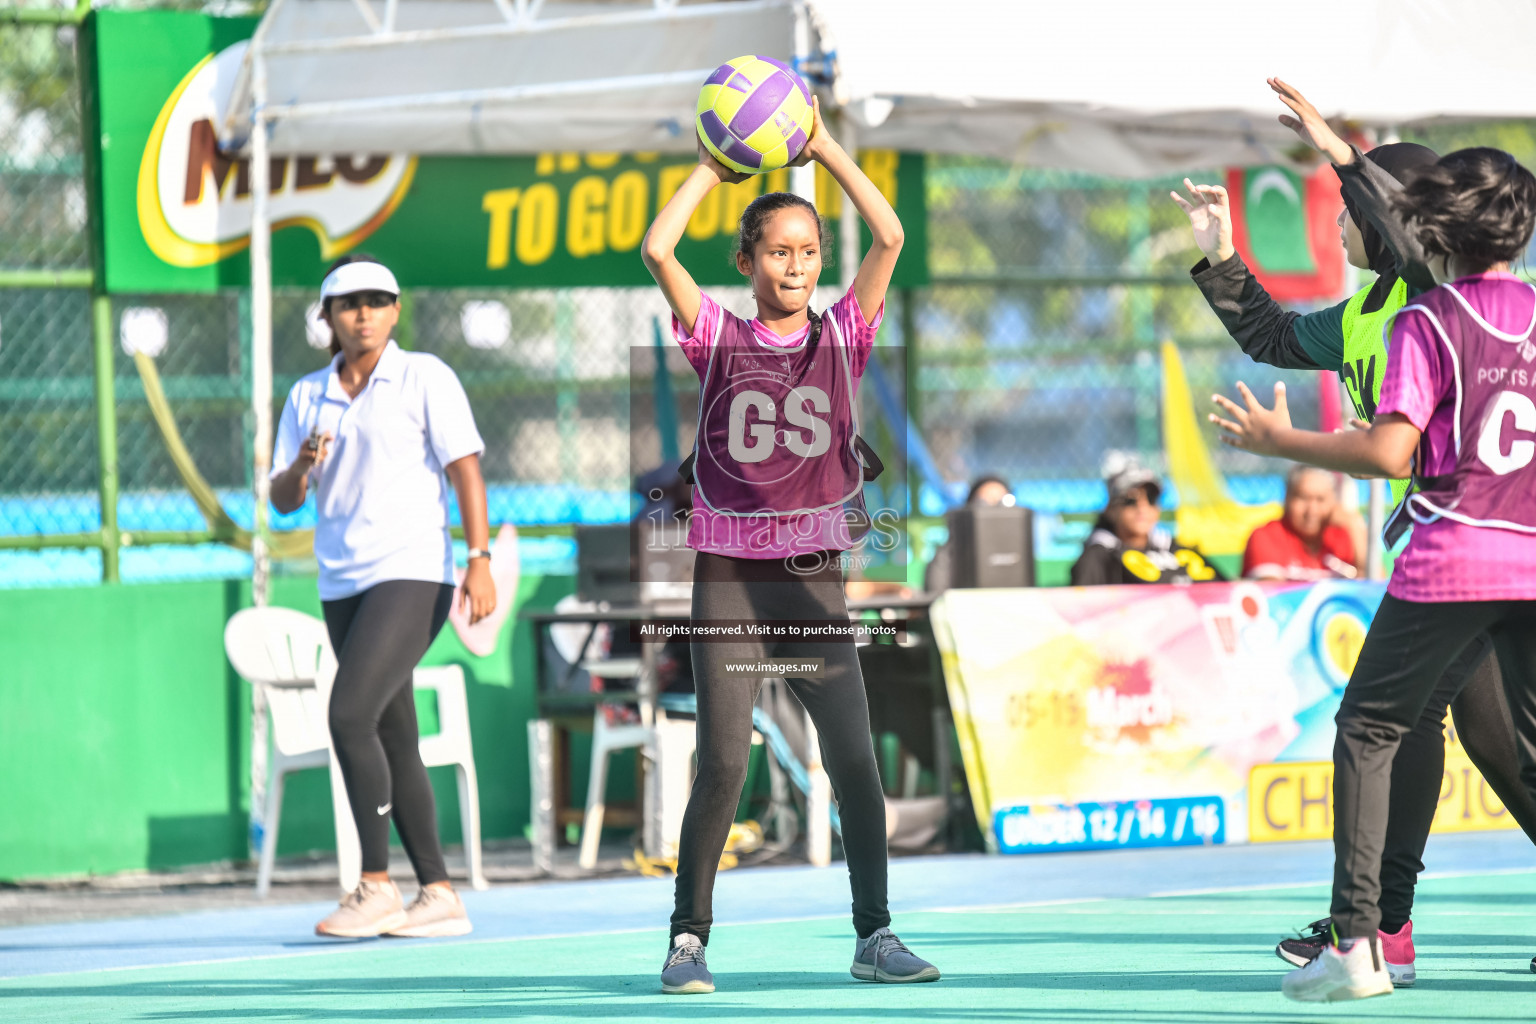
x=254 y=122
x=382 y=36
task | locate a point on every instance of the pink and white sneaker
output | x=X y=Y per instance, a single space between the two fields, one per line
x=1397 y=951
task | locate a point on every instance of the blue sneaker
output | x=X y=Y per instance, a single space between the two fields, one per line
x=884 y=957
x=684 y=972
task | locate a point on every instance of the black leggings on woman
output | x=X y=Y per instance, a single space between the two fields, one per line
x=379 y=637
x=1474 y=689
x=1406 y=655
x=747 y=590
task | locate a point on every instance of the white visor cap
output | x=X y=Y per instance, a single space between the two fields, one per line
x=358 y=277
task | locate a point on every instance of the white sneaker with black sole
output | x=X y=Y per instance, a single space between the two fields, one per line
x=1339 y=973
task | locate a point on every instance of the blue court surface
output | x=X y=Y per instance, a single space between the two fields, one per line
x=1145 y=935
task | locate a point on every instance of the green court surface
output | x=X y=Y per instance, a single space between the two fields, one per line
x=1196 y=957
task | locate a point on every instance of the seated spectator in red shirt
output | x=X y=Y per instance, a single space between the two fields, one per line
x=1317 y=538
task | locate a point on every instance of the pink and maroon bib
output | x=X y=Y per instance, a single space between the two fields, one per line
x=1493 y=481
x=777 y=425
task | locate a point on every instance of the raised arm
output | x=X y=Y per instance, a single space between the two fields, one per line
x=660 y=245
x=1367 y=184
x=874 y=276
x=1262 y=328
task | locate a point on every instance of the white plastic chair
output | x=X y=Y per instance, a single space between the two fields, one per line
x=288 y=655
x=606 y=739
x=452 y=746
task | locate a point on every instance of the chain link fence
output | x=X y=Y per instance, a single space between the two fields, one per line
x=1033 y=353
x=48 y=465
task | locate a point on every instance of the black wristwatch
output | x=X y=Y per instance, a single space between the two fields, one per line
x=475 y=553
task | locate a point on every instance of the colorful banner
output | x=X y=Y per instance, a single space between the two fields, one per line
x=175 y=212
x=1104 y=717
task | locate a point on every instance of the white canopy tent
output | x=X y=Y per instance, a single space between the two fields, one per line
x=1120 y=87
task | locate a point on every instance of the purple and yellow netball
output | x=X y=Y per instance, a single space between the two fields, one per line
x=754 y=114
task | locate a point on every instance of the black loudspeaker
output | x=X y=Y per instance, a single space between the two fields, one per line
x=626 y=564
x=605 y=566
x=663 y=563
x=992 y=546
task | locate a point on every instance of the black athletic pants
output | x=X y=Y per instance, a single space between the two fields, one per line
x=1473 y=687
x=758 y=590
x=379 y=637
x=1407 y=652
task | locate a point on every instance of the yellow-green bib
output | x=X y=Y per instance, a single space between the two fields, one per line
x=1365 y=356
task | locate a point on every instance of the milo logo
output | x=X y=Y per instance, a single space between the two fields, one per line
x=194 y=202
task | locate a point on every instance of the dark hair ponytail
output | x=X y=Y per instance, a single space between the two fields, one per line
x=325 y=304
x=1477 y=204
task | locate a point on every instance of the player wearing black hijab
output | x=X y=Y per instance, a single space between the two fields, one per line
x=1348 y=339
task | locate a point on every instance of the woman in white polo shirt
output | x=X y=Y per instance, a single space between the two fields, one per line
x=376 y=431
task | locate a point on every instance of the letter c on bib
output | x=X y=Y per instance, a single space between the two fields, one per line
x=1489 y=442
x=761 y=433
x=797 y=415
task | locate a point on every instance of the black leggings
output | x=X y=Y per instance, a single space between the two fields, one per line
x=1474 y=688
x=758 y=590
x=1407 y=652
x=379 y=637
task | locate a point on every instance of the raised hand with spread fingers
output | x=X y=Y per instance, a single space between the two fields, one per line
x=1210 y=215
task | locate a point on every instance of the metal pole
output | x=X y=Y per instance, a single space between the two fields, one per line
x=261 y=331
x=907 y=300
x=818 y=805
x=106 y=433
x=818 y=802
x=1376 y=517
x=541 y=777
x=27 y=278
x=46 y=16
x=849 y=223
x=802 y=180
x=1143 y=326
x=261 y=415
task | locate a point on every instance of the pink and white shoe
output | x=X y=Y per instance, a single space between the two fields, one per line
x=1397 y=951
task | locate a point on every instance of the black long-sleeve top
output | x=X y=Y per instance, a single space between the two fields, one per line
x=1270 y=333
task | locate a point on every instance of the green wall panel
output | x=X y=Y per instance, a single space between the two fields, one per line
x=124 y=733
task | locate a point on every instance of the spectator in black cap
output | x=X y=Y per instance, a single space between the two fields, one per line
x=1127 y=545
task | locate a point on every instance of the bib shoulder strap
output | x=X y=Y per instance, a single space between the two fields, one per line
x=1485 y=325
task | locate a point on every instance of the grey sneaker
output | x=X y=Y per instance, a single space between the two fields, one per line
x=684 y=972
x=436 y=911
x=370 y=909
x=883 y=957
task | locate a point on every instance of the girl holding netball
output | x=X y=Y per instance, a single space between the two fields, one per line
x=1456 y=404
x=776 y=460
x=375 y=433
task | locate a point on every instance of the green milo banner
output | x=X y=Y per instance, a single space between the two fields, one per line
x=175 y=212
